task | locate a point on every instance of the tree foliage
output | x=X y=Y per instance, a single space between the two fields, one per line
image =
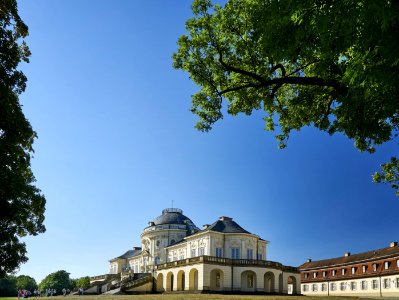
x=21 y=204
x=25 y=282
x=329 y=64
x=8 y=286
x=82 y=282
x=389 y=174
x=57 y=280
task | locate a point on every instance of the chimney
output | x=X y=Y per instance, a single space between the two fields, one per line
x=309 y=260
x=205 y=226
x=393 y=244
x=224 y=218
x=347 y=254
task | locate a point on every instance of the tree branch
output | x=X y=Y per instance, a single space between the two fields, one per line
x=278 y=66
x=315 y=81
x=237 y=88
x=303 y=67
x=240 y=71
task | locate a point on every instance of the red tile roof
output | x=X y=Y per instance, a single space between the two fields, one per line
x=365 y=256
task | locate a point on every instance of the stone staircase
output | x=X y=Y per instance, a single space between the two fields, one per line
x=113 y=292
x=137 y=281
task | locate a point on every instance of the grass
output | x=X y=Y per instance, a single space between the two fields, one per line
x=191 y=297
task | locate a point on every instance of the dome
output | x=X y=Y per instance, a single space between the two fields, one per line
x=173 y=216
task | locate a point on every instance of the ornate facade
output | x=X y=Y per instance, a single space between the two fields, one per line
x=175 y=255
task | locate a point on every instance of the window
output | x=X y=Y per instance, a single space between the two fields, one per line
x=364 y=268
x=235 y=253
x=397 y=282
x=219 y=252
x=156 y=260
x=386 y=265
x=334 y=272
x=314 y=287
x=374 y=267
x=305 y=288
x=324 y=273
x=323 y=287
x=259 y=256
x=172 y=242
x=333 y=286
x=181 y=256
x=386 y=283
x=397 y=263
x=250 y=281
x=250 y=253
x=363 y=285
x=343 y=286
x=174 y=256
x=314 y=274
x=217 y=280
x=353 y=270
x=343 y=271
x=193 y=252
x=201 y=251
x=375 y=284
x=158 y=243
x=353 y=286
x=305 y=275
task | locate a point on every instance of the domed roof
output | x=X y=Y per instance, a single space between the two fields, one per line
x=173 y=216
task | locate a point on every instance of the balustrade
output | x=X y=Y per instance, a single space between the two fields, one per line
x=228 y=262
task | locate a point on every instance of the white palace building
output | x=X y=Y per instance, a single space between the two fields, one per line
x=175 y=255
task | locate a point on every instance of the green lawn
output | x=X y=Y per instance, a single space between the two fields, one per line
x=192 y=297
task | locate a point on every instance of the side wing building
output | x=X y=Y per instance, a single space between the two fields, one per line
x=374 y=274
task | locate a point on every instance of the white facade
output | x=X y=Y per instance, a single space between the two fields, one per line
x=221 y=275
x=369 y=274
x=380 y=286
x=227 y=245
x=220 y=257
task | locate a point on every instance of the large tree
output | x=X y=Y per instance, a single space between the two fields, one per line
x=82 y=282
x=21 y=204
x=329 y=64
x=25 y=282
x=58 y=281
x=8 y=286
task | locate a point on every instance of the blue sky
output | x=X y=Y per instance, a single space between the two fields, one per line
x=117 y=144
